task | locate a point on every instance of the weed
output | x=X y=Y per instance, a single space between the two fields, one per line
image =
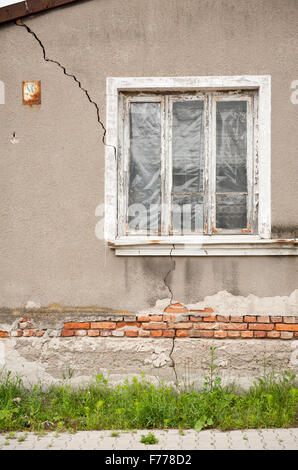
x=149 y=439
x=115 y=434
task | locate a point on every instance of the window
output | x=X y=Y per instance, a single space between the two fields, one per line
x=188 y=163
x=188 y=166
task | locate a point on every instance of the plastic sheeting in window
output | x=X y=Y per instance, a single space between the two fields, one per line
x=188 y=147
x=231 y=211
x=187 y=213
x=231 y=164
x=188 y=155
x=144 y=167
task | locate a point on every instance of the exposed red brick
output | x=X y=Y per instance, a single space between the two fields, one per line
x=67 y=333
x=3 y=334
x=289 y=319
x=24 y=320
x=81 y=332
x=211 y=318
x=250 y=318
x=222 y=318
x=77 y=326
x=220 y=334
x=181 y=333
x=194 y=333
x=276 y=319
x=103 y=325
x=154 y=326
x=123 y=324
x=195 y=319
x=273 y=334
x=296 y=334
x=233 y=334
x=181 y=325
x=131 y=333
x=261 y=326
x=16 y=333
x=39 y=334
x=263 y=319
x=28 y=333
x=237 y=318
x=247 y=334
x=156 y=333
x=175 y=308
x=142 y=318
x=93 y=332
x=169 y=333
x=234 y=326
x=260 y=334
x=286 y=327
x=155 y=317
x=105 y=333
x=286 y=335
x=144 y=334
x=169 y=317
x=25 y=325
x=206 y=326
x=207 y=334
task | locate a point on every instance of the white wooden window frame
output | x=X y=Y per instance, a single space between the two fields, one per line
x=216 y=244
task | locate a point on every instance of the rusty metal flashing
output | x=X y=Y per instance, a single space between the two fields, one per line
x=29 y=7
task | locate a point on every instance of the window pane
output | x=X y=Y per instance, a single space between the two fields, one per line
x=231 y=146
x=187 y=213
x=144 y=167
x=188 y=146
x=231 y=212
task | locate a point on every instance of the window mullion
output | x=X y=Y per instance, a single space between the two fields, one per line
x=166 y=169
x=211 y=162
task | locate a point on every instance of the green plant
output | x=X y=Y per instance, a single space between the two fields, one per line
x=138 y=404
x=211 y=380
x=149 y=439
x=115 y=434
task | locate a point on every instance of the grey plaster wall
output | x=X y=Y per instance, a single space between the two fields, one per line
x=52 y=172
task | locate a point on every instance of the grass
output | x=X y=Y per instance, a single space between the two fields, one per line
x=271 y=402
x=149 y=439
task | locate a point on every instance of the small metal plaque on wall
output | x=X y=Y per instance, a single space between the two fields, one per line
x=32 y=92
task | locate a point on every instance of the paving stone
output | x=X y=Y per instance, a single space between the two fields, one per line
x=251 y=439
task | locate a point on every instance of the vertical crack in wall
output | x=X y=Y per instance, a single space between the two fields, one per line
x=19 y=22
x=173 y=266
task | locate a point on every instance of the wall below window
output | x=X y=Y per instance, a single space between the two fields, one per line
x=173 y=343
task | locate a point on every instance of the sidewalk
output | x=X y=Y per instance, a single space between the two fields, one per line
x=265 y=439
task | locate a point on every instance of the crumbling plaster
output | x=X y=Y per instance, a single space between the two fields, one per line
x=79 y=360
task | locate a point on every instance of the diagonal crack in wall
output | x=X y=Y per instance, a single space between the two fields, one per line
x=172 y=268
x=19 y=22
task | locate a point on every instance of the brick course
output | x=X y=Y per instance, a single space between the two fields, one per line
x=175 y=321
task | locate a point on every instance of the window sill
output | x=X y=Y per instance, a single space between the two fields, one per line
x=224 y=245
